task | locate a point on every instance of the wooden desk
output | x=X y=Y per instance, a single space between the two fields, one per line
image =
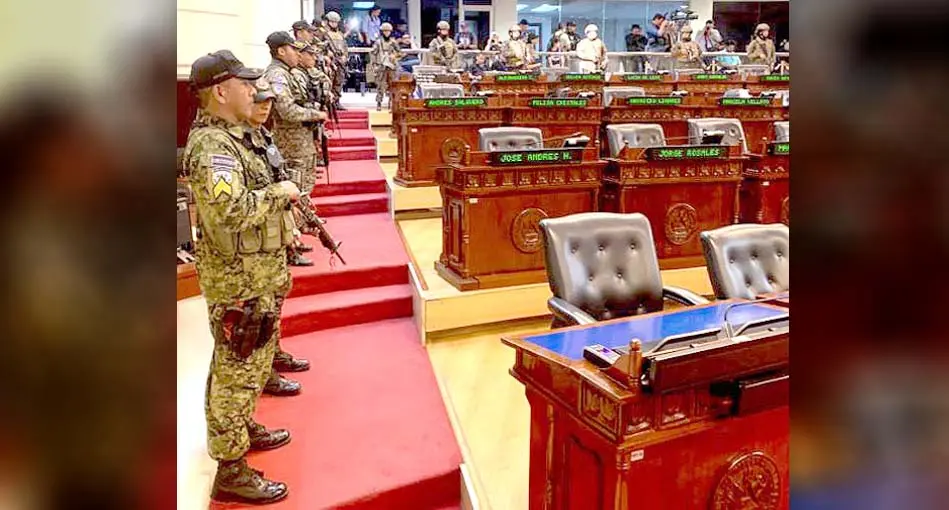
x=491 y=214
x=681 y=197
x=638 y=437
x=507 y=88
x=759 y=84
x=432 y=137
x=654 y=84
x=710 y=84
x=401 y=89
x=765 y=195
x=558 y=117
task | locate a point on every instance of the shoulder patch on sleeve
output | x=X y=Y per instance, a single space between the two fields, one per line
x=222 y=175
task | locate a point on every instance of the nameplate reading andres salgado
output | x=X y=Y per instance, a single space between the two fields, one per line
x=537 y=157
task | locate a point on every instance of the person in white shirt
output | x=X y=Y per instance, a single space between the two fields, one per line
x=591 y=51
x=709 y=39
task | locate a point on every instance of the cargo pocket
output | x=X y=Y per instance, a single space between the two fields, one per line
x=249 y=241
x=271 y=232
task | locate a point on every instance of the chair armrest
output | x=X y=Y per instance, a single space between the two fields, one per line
x=568 y=313
x=680 y=295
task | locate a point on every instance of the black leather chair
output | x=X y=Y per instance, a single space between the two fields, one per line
x=603 y=266
x=748 y=259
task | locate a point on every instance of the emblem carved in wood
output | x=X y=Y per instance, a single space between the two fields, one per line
x=786 y=211
x=452 y=150
x=525 y=230
x=751 y=481
x=681 y=223
x=601 y=410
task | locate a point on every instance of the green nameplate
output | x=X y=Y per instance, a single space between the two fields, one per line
x=775 y=77
x=541 y=102
x=709 y=77
x=642 y=77
x=581 y=77
x=779 y=148
x=537 y=157
x=514 y=77
x=687 y=152
x=745 y=101
x=456 y=102
x=653 y=101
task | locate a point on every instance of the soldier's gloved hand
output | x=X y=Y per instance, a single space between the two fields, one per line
x=291 y=190
x=321 y=116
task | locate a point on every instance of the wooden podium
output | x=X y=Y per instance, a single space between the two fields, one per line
x=436 y=132
x=683 y=190
x=765 y=194
x=759 y=84
x=558 y=117
x=492 y=203
x=700 y=426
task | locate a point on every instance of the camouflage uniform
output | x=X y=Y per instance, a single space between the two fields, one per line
x=687 y=53
x=293 y=138
x=341 y=53
x=241 y=255
x=444 y=52
x=515 y=54
x=761 y=51
x=384 y=59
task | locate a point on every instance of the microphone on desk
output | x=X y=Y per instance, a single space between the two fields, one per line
x=727 y=327
x=679 y=93
x=586 y=94
x=484 y=93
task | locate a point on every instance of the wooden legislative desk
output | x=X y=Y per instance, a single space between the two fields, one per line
x=653 y=84
x=558 y=117
x=672 y=113
x=709 y=84
x=433 y=136
x=690 y=427
x=491 y=212
x=766 y=187
x=759 y=84
x=510 y=87
x=683 y=190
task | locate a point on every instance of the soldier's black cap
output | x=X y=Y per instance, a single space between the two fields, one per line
x=375 y=8
x=302 y=25
x=218 y=67
x=571 y=23
x=281 y=38
x=523 y=22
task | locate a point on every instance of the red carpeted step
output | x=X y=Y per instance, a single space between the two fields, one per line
x=353 y=153
x=374 y=253
x=349 y=124
x=342 y=205
x=305 y=314
x=350 y=178
x=353 y=113
x=369 y=431
x=351 y=138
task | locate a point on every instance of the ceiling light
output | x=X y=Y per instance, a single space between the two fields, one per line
x=363 y=5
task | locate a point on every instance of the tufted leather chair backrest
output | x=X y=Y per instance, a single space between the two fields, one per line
x=734 y=134
x=737 y=93
x=509 y=139
x=621 y=92
x=635 y=135
x=748 y=259
x=782 y=131
x=438 y=90
x=603 y=263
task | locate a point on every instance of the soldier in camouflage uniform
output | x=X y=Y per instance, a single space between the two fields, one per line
x=383 y=61
x=442 y=49
x=294 y=139
x=686 y=51
x=242 y=270
x=340 y=52
x=302 y=31
x=761 y=48
x=514 y=52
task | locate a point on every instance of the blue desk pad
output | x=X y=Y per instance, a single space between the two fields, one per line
x=650 y=329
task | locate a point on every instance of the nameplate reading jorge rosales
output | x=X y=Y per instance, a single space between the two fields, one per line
x=687 y=152
x=537 y=157
x=456 y=102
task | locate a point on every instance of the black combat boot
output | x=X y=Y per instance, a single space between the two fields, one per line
x=236 y=482
x=280 y=386
x=295 y=258
x=303 y=248
x=263 y=439
x=378 y=105
x=285 y=362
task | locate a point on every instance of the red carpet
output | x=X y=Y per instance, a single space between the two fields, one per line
x=370 y=430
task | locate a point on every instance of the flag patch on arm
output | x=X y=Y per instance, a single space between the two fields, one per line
x=222 y=175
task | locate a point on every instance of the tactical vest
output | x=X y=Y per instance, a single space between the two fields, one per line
x=276 y=233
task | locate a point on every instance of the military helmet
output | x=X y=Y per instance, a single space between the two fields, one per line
x=514 y=28
x=386 y=26
x=333 y=16
x=590 y=28
x=762 y=26
x=443 y=25
x=685 y=28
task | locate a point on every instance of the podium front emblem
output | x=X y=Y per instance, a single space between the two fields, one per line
x=751 y=481
x=452 y=150
x=525 y=230
x=681 y=223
